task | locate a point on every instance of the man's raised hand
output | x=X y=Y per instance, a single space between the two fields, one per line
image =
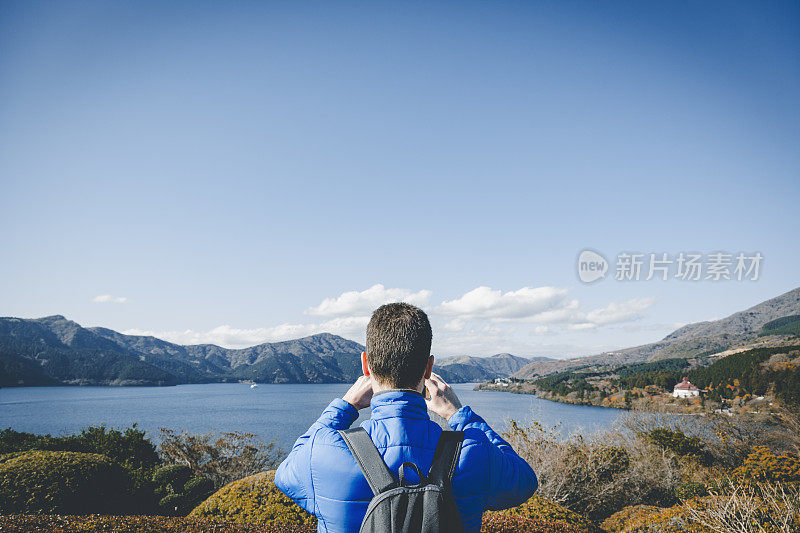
x=360 y=393
x=443 y=400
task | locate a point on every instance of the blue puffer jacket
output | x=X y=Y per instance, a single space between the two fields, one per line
x=321 y=475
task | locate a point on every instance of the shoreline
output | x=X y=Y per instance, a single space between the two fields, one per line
x=166 y=385
x=481 y=388
x=651 y=407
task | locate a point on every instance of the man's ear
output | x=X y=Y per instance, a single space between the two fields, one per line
x=364 y=365
x=429 y=368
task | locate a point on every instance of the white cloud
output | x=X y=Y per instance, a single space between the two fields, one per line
x=348 y=315
x=568 y=313
x=486 y=320
x=108 y=299
x=525 y=303
x=482 y=321
x=230 y=337
x=614 y=313
x=456 y=324
x=366 y=301
x=349 y=326
x=481 y=343
x=540 y=305
x=581 y=325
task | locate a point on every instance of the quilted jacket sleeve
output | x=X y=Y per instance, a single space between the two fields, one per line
x=293 y=477
x=511 y=479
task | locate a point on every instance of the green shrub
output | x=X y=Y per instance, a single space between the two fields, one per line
x=538 y=508
x=173 y=477
x=688 y=491
x=173 y=504
x=199 y=487
x=255 y=500
x=129 y=447
x=179 y=489
x=609 y=461
x=678 y=443
x=62 y=482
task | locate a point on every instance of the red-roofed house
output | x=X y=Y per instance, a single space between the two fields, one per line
x=685 y=389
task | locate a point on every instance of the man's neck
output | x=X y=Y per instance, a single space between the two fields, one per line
x=377 y=387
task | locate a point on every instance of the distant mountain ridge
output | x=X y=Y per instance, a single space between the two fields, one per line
x=692 y=340
x=466 y=368
x=54 y=350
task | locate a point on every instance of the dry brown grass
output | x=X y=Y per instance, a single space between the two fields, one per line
x=597 y=475
x=492 y=523
x=221 y=457
x=748 y=508
x=132 y=524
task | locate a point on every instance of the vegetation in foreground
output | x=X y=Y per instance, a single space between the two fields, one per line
x=122 y=471
x=710 y=473
x=655 y=472
x=254 y=500
x=131 y=524
x=492 y=523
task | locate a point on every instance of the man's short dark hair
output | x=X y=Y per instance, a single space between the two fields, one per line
x=399 y=344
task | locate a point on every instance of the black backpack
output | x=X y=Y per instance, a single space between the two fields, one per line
x=426 y=507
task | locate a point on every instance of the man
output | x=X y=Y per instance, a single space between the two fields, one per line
x=321 y=475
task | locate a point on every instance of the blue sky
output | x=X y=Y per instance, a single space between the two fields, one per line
x=264 y=170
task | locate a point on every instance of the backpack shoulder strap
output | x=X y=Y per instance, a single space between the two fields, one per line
x=368 y=459
x=445 y=458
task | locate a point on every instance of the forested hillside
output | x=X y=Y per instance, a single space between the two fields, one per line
x=741 y=376
x=788 y=325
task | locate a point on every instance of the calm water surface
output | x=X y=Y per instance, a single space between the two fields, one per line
x=282 y=412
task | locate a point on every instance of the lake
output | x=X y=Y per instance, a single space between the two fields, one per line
x=280 y=412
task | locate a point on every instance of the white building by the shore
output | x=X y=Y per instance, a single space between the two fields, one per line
x=685 y=389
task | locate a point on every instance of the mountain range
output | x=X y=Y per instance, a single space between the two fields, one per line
x=693 y=340
x=54 y=350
